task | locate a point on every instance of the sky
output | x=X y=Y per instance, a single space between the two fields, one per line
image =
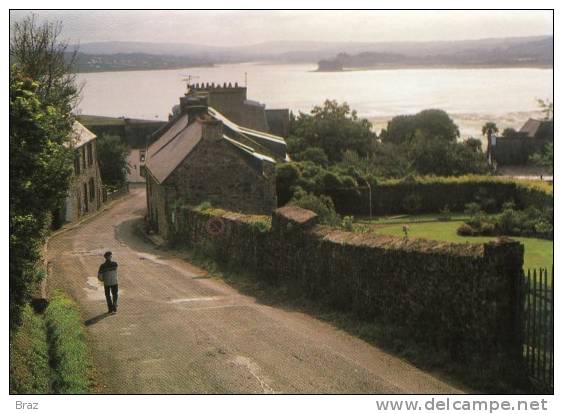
x=238 y=28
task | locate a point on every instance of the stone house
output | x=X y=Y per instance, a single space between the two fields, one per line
x=202 y=156
x=85 y=192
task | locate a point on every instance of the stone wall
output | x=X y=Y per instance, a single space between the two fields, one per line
x=157 y=214
x=457 y=299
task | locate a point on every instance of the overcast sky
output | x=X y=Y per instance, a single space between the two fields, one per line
x=231 y=28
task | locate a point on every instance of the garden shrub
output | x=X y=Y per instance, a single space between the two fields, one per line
x=509 y=222
x=465 y=230
x=445 y=214
x=348 y=223
x=322 y=205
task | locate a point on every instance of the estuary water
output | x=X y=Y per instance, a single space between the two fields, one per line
x=472 y=97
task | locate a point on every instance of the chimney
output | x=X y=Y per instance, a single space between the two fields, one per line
x=193 y=107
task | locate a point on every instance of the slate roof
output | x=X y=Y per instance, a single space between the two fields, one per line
x=531 y=127
x=168 y=152
x=178 y=139
x=80 y=135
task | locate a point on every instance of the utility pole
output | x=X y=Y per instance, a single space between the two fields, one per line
x=245 y=79
x=369 y=188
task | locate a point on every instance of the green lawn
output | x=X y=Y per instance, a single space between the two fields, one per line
x=537 y=252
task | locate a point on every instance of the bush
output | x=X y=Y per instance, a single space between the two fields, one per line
x=29 y=356
x=465 y=230
x=348 y=223
x=315 y=155
x=510 y=222
x=544 y=228
x=70 y=355
x=445 y=214
x=321 y=205
x=488 y=229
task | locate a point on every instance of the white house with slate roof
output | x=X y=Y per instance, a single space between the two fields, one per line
x=85 y=193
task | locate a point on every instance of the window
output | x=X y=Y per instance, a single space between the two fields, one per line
x=92 y=189
x=90 y=156
x=85 y=195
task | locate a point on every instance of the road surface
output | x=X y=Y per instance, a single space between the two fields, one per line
x=179 y=331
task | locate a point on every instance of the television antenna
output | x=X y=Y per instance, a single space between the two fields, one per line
x=188 y=79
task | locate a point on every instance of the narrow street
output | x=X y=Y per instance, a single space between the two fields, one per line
x=179 y=331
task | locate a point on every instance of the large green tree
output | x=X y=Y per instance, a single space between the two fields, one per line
x=433 y=123
x=112 y=158
x=332 y=127
x=43 y=92
x=432 y=156
x=40 y=168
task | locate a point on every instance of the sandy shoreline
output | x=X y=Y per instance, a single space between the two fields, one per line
x=444 y=66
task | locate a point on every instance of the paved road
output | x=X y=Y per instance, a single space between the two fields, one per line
x=178 y=331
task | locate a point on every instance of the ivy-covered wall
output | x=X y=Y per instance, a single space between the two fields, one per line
x=454 y=298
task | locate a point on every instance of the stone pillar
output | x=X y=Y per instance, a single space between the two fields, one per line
x=505 y=258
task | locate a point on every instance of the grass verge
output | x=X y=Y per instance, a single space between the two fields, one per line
x=29 y=356
x=70 y=357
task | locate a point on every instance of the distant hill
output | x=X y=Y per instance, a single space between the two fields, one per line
x=142 y=55
x=135 y=61
x=526 y=52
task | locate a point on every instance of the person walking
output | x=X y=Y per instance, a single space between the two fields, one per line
x=107 y=273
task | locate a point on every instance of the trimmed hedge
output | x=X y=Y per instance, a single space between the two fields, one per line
x=29 y=356
x=69 y=354
x=453 y=298
x=433 y=194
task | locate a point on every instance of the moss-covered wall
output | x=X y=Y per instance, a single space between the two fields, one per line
x=454 y=298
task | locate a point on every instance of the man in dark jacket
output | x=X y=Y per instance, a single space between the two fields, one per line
x=108 y=274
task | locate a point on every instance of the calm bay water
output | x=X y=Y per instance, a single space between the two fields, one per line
x=471 y=96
